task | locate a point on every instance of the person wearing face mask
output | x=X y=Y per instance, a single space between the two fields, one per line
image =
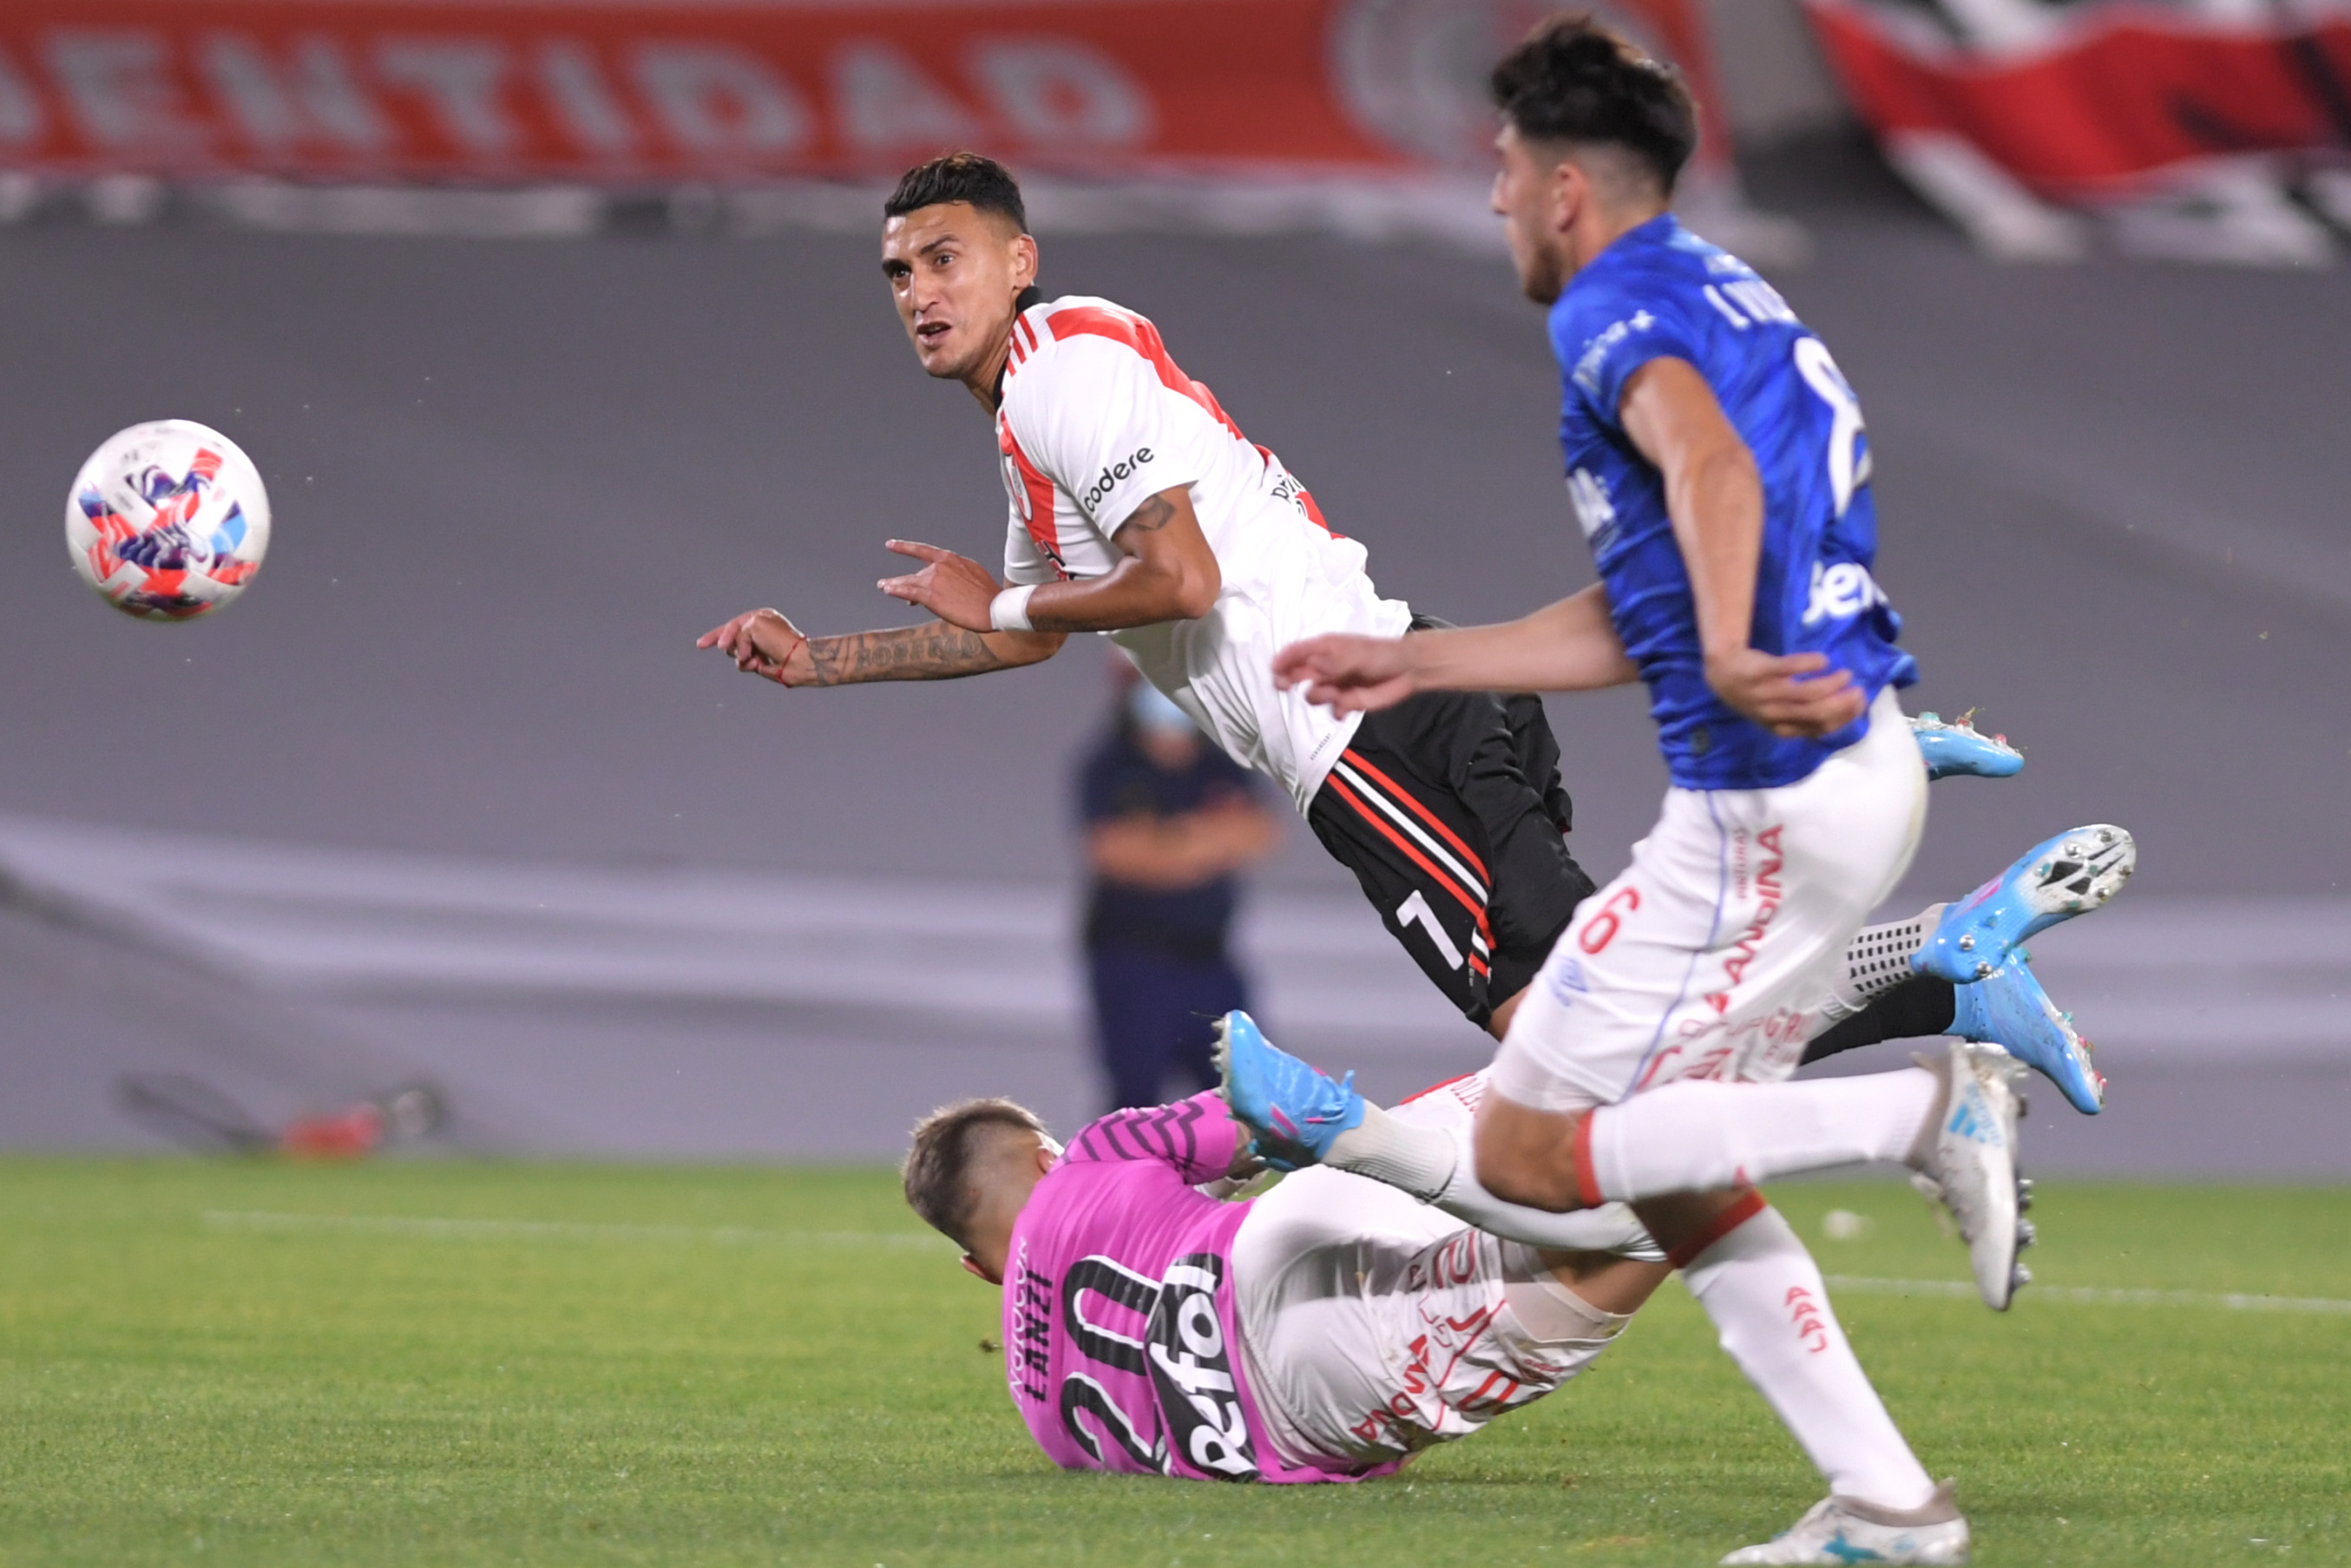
x=1169 y=823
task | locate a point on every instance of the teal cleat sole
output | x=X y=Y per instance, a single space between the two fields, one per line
x=2070 y=874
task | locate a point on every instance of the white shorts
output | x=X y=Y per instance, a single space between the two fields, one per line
x=1373 y=1326
x=1713 y=955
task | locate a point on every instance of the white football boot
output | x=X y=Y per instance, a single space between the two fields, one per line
x=1966 y=1158
x=1839 y=1530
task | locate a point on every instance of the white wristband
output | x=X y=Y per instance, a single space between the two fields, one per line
x=1009 y=611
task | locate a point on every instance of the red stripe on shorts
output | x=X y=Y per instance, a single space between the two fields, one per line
x=1417 y=809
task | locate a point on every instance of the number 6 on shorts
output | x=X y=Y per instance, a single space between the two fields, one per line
x=1601 y=929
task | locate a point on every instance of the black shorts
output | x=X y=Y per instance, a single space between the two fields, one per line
x=1449 y=811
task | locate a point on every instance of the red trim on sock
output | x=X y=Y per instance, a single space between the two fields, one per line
x=1729 y=1220
x=1587 y=1181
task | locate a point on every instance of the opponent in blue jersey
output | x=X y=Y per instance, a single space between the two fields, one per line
x=1716 y=462
x=1658 y=293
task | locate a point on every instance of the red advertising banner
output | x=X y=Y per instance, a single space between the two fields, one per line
x=2115 y=94
x=526 y=90
x=536 y=91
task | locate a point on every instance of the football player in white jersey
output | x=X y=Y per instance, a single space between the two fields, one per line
x=1138 y=508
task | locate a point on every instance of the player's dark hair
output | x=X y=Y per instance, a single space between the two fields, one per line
x=959 y=177
x=938 y=1168
x=1576 y=80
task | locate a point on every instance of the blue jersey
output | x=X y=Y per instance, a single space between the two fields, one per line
x=1660 y=291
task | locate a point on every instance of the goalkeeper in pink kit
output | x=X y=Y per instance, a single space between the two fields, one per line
x=1326 y=1332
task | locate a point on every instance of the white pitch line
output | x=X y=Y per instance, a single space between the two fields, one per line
x=438 y=1229
x=447 y=1229
x=2094 y=1296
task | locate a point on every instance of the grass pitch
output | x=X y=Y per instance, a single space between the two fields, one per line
x=461 y=1363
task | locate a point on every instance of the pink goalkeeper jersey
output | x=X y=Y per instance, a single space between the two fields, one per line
x=1120 y=1338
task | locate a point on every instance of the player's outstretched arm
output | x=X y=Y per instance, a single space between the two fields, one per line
x=763 y=642
x=1714 y=497
x=1567 y=646
x=1168 y=573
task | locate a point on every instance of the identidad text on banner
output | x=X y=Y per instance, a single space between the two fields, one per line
x=607 y=91
x=615 y=91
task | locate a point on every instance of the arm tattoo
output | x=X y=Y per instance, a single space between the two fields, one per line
x=937 y=652
x=1151 y=517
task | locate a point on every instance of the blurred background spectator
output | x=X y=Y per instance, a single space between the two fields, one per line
x=1169 y=822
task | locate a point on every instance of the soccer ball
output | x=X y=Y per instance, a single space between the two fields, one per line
x=168 y=520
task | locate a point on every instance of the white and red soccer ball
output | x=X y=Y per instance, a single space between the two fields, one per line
x=168 y=520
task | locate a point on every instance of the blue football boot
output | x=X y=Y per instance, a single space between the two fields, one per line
x=2010 y=1010
x=1960 y=747
x=2070 y=874
x=1293 y=1111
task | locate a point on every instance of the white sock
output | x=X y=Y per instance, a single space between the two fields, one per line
x=1449 y=1112
x=1706 y=1137
x=1765 y=1295
x=1609 y=1227
x=1418 y=1159
x=1879 y=959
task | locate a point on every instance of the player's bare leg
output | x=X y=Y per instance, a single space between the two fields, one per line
x=1607 y=1282
x=1504 y=1011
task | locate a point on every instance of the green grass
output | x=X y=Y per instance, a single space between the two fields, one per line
x=776 y=1366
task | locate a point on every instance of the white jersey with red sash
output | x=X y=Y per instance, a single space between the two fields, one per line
x=1095 y=419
